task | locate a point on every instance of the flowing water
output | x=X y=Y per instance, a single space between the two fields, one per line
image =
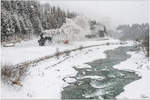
x=101 y=80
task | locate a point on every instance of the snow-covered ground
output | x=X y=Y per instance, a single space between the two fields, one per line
x=73 y=30
x=46 y=80
x=29 y=50
x=139 y=89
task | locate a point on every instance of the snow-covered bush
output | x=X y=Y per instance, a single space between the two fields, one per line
x=11 y=74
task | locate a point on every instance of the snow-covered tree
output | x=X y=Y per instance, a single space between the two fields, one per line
x=27 y=18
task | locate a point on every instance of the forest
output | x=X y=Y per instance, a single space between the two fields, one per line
x=22 y=20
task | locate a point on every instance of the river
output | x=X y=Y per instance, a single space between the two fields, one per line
x=101 y=81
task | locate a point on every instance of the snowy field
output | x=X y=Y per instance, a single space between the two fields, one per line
x=46 y=79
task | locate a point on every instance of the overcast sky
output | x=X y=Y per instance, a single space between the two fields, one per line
x=112 y=12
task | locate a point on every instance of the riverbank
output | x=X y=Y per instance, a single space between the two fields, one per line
x=43 y=80
x=139 y=89
x=48 y=78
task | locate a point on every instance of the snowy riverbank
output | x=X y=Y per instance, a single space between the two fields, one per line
x=44 y=80
x=139 y=89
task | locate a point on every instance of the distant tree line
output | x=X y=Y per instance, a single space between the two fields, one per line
x=23 y=19
x=137 y=32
